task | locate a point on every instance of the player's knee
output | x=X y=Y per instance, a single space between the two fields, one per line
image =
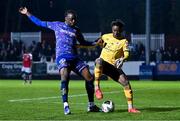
x=98 y=63
x=64 y=74
x=89 y=77
x=123 y=80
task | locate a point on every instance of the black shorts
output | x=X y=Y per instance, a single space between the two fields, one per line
x=111 y=71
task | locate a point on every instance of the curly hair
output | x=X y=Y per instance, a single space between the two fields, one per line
x=117 y=22
x=70 y=12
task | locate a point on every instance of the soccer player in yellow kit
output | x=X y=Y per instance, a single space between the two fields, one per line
x=114 y=52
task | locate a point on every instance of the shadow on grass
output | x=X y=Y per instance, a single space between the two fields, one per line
x=154 y=109
x=160 y=109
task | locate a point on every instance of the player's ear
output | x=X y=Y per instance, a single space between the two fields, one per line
x=66 y=19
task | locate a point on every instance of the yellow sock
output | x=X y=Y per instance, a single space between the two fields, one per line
x=97 y=82
x=129 y=97
x=97 y=74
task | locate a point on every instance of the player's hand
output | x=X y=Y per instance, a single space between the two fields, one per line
x=119 y=62
x=23 y=10
x=98 y=42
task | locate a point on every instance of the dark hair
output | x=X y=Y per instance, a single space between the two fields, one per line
x=70 y=12
x=117 y=22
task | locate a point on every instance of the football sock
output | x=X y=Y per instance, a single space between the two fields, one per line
x=129 y=97
x=90 y=104
x=90 y=90
x=97 y=74
x=64 y=91
x=23 y=76
x=30 y=78
x=65 y=104
x=27 y=77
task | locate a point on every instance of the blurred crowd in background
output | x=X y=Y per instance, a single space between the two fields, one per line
x=45 y=52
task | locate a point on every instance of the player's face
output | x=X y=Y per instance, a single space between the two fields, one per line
x=70 y=19
x=116 y=30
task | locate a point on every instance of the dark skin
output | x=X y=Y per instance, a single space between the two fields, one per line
x=116 y=30
x=71 y=20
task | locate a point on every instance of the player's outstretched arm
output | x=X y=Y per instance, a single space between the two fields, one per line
x=24 y=11
x=82 y=42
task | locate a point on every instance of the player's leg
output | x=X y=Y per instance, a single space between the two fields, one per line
x=26 y=77
x=119 y=76
x=64 y=73
x=128 y=93
x=23 y=75
x=83 y=70
x=97 y=74
x=89 y=83
x=29 y=75
x=30 y=78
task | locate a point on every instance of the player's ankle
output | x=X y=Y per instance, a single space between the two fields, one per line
x=66 y=104
x=90 y=104
x=97 y=87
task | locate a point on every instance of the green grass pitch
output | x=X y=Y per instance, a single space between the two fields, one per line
x=157 y=100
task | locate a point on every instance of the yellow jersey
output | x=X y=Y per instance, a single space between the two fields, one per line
x=113 y=48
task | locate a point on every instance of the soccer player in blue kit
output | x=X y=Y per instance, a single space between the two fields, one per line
x=67 y=34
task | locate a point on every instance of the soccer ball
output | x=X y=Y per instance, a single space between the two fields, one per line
x=108 y=106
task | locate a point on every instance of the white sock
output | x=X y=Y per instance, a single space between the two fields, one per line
x=130 y=106
x=65 y=104
x=91 y=104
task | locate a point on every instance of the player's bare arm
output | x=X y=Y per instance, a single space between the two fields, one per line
x=99 y=42
x=84 y=43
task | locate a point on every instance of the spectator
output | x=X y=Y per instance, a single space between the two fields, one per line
x=158 y=56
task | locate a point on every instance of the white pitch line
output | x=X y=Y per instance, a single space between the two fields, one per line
x=30 y=99
x=83 y=103
x=45 y=98
x=79 y=95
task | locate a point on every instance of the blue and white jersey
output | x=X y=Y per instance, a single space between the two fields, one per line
x=66 y=37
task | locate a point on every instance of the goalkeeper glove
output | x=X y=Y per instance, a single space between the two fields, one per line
x=119 y=62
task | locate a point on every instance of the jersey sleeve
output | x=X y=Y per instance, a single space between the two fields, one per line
x=103 y=42
x=37 y=21
x=103 y=37
x=126 y=50
x=46 y=24
x=125 y=46
x=53 y=25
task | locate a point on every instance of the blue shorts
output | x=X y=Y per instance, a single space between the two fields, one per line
x=76 y=64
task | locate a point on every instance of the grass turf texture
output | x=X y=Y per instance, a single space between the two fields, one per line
x=157 y=100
